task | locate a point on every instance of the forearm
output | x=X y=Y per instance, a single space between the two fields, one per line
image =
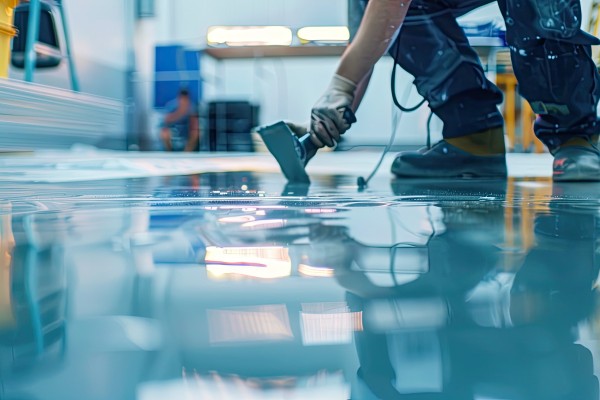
x=361 y=89
x=380 y=23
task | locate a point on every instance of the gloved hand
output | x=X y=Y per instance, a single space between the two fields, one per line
x=327 y=122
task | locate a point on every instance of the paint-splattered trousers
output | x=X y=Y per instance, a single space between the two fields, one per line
x=551 y=58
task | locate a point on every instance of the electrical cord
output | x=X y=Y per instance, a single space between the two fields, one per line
x=393 y=86
x=429 y=129
x=361 y=181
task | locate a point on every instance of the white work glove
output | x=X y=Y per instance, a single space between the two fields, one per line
x=327 y=122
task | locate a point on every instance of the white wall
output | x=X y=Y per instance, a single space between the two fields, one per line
x=188 y=20
x=98 y=32
x=287 y=88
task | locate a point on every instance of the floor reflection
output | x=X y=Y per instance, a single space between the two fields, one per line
x=228 y=286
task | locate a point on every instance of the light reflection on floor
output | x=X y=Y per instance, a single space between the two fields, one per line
x=230 y=286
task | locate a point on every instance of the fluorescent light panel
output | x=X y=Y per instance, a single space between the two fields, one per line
x=254 y=262
x=328 y=323
x=327 y=34
x=249 y=35
x=317 y=272
x=247 y=324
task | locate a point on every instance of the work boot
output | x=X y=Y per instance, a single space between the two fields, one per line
x=479 y=155
x=577 y=160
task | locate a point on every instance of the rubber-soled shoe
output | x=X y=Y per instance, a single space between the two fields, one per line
x=576 y=163
x=444 y=160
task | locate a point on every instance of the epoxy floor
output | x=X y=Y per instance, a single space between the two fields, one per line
x=229 y=285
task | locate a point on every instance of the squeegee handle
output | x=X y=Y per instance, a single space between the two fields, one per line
x=348 y=116
x=308 y=146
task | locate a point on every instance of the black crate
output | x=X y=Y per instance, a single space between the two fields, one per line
x=229 y=125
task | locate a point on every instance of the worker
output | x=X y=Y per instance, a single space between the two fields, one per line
x=551 y=59
x=180 y=129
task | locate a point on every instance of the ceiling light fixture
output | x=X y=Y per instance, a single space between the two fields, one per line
x=324 y=34
x=249 y=36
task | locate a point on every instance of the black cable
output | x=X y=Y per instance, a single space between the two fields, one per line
x=396 y=102
x=393 y=82
x=429 y=129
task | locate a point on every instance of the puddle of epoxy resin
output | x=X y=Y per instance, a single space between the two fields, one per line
x=162 y=291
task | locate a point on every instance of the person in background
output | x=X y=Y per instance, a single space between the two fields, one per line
x=180 y=130
x=551 y=58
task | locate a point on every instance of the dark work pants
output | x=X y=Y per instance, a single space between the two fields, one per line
x=550 y=54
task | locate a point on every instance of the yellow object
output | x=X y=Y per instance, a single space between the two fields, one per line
x=7 y=244
x=594 y=27
x=7 y=32
x=508 y=82
x=7 y=318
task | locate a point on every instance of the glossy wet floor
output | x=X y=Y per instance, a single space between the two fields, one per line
x=230 y=286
